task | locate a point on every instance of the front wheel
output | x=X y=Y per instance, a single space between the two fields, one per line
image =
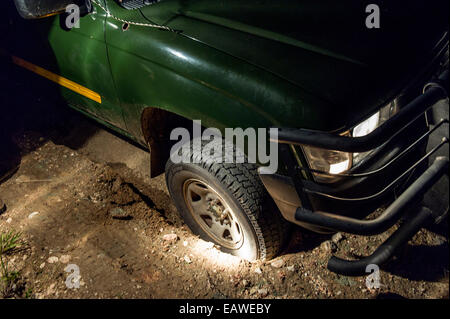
x=223 y=203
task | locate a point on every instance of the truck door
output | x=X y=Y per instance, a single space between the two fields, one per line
x=76 y=59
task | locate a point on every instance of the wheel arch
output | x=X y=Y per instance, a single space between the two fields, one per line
x=156 y=125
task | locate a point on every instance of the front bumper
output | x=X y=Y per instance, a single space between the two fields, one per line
x=306 y=203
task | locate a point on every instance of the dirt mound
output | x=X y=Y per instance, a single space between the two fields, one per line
x=111 y=226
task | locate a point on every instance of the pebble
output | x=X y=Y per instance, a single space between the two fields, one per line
x=277 y=263
x=328 y=246
x=32 y=215
x=263 y=292
x=185 y=243
x=51 y=289
x=9 y=220
x=42 y=265
x=337 y=238
x=119 y=213
x=52 y=260
x=170 y=237
x=258 y=270
x=291 y=268
x=187 y=259
x=64 y=259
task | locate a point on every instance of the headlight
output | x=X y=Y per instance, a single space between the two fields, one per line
x=330 y=161
x=335 y=162
x=369 y=125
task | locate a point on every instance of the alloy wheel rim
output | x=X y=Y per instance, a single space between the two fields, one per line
x=212 y=213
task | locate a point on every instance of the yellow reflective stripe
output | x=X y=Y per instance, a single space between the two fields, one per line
x=58 y=79
x=51 y=14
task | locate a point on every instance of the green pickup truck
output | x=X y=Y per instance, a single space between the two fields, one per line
x=346 y=86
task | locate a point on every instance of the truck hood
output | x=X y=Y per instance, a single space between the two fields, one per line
x=323 y=47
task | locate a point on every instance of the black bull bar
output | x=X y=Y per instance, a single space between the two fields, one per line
x=283 y=189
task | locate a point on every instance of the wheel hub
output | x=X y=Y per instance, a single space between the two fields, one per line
x=212 y=213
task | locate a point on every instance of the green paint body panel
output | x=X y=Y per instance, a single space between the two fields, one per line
x=81 y=56
x=309 y=64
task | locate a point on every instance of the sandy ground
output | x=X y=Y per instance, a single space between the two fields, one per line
x=82 y=197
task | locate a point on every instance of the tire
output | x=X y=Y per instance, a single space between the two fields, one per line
x=236 y=192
